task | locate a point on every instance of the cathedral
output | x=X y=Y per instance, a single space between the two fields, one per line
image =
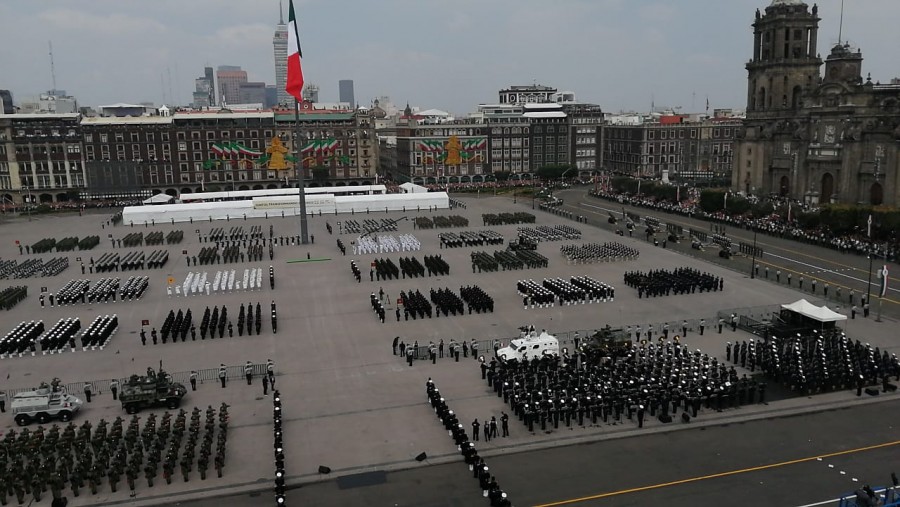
x=820 y=138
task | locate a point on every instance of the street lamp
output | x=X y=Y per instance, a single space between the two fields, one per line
x=871 y=258
x=753 y=262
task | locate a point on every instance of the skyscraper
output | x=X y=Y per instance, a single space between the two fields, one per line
x=6 y=102
x=208 y=74
x=229 y=78
x=280 y=43
x=345 y=89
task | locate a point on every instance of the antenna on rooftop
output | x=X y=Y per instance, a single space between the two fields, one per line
x=841 y=24
x=52 y=67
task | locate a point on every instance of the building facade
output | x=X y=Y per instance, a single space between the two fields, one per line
x=678 y=147
x=822 y=138
x=229 y=79
x=41 y=159
x=345 y=92
x=451 y=152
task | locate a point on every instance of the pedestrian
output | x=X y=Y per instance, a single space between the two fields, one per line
x=396 y=338
x=143 y=337
x=193 y=379
x=223 y=372
x=487 y=431
x=504 y=423
x=87 y=391
x=114 y=388
x=441 y=349
x=265 y=383
x=2 y=401
x=248 y=372
x=475 y=427
x=493 y=427
x=853 y=312
x=51 y=299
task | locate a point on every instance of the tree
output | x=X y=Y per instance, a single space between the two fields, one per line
x=502 y=176
x=552 y=171
x=320 y=173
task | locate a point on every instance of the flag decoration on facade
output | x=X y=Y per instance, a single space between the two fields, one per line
x=233 y=148
x=320 y=146
x=431 y=145
x=294 y=82
x=478 y=143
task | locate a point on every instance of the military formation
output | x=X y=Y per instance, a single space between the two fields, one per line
x=613 y=383
x=597 y=252
x=547 y=233
x=80 y=457
x=816 y=362
x=661 y=282
x=469 y=238
x=13 y=269
x=104 y=290
x=11 y=296
x=480 y=471
x=440 y=222
x=578 y=289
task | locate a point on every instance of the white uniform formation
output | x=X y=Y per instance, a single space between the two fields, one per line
x=197 y=284
x=386 y=243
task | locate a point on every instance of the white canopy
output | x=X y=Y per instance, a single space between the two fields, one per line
x=159 y=199
x=819 y=313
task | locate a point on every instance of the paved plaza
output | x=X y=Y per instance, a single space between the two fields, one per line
x=349 y=403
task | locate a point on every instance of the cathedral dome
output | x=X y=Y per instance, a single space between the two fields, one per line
x=788 y=2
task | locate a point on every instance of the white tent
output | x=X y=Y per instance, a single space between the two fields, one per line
x=412 y=188
x=159 y=199
x=819 y=313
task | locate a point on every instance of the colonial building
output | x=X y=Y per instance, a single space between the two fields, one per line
x=681 y=147
x=449 y=152
x=41 y=157
x=821 y=138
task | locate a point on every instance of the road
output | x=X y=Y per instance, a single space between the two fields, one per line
x=790 y=462
x=847 y=271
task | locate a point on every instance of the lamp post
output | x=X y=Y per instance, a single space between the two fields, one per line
x=871 y=255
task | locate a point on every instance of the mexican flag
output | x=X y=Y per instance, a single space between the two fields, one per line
x=478 y=143
x=431 y=145
x=294 y=84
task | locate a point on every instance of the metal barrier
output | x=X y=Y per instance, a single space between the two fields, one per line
x=884 y=497
x=204 y=375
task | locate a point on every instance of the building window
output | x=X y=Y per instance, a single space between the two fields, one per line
x=104 y=138
x=134 y=137
x=89 y=138
x=120 y=137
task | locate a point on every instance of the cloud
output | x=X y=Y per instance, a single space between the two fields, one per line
x=109 y=25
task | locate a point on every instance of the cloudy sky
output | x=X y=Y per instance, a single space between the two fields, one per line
x=432 y=53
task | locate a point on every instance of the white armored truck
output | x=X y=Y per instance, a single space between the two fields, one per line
x=43 y=404
x=531 y=345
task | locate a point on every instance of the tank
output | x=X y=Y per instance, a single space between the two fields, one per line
x=49 y=401
x=151 y=390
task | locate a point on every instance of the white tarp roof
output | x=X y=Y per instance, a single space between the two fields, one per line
x=819 y=313
x=159 y=199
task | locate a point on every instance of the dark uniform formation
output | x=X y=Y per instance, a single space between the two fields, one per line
x=818 y=362
x=248 y=320
x=369 y=225
x=11 y=296
x=175 y=326
x=611 y=382
x=102 y=291
x=578 y=289
x=469 y=238
x=507 y=260
x=60 y=336
x=660 y=282
x=137 y=260
x=547 y=233
x=12 y=269
x=410 y=267
x=480 y=471
x=21 y=338
x=80 y=456
x=508 y=218
x=596 y=252
x=100 y=331
x=441 y=222
x=476 y=299
x=279 y=448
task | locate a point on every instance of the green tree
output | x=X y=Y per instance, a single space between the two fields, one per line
x=552 y=171
x=320 y=173
x=502 y=176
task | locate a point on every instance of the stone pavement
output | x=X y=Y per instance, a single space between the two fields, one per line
x=348 y=403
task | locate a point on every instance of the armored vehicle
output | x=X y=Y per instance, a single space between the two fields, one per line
x=151 y=390
x=43 y=404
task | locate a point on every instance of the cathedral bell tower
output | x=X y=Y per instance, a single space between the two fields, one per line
x=785 y=63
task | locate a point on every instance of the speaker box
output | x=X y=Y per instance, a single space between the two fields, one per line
x=685 y=417
x=890 y=387
x=665 y=418
x=324 y=469
x=421 y=457
x=871 y=391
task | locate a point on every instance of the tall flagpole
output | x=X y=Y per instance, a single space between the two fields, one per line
x=298 y=173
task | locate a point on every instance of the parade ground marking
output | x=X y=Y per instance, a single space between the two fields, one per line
x=318 y=259
x=718 y=475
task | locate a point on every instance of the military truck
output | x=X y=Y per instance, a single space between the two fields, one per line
x=46 y=402
x=151 y=390
x=522 y=242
